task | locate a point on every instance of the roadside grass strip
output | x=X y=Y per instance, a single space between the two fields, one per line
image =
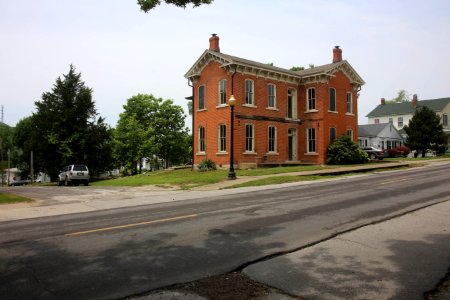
x=187 y=178
x=11 y=198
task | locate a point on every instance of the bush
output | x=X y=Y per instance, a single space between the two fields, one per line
x=206 y=165
x=344 y=151
x=400 y=151
x=403 y=150
x=393 y=152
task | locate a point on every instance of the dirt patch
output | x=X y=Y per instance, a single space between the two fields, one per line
x=442 y=290
x=229 y=286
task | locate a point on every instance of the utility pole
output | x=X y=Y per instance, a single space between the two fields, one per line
x=1 y=157
x=31 y=169
x=9 y=168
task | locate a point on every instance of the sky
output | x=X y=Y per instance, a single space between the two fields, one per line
x=121 y=51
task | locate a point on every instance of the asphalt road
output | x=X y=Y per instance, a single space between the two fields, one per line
x=120 y=252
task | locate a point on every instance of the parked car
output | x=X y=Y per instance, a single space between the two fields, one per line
x=18 y=182
x=375 y=153
x=74 y=174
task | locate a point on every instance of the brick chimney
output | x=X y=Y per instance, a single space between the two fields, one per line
x=414 y=101
x=337 y=54
x=383 y=101
x=214 y=43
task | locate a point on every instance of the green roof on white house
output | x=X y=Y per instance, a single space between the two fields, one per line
x=406 y=108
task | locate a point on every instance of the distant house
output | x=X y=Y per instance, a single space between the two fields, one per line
x=399 y=114
x=383 y=136
x=281 y=116
x=11 y=175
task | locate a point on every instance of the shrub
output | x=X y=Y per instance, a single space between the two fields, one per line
x=393 y=152
x=344 y=151
x=206 y=165
x=403 y=150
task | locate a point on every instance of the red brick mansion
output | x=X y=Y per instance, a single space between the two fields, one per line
x=280 y=116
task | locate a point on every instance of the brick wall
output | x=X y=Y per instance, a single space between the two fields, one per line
x=321 y=120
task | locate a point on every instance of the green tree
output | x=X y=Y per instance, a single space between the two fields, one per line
x=296 y=68
x=148 y=127
x=169 y=138
x=65 y=129
x=6 y=145
x=147 y=5
x=345 y=151
x=402 y=96
x=425 y=131
x=129 y=147
x=23 y=139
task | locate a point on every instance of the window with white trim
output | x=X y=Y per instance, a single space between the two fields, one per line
x=311 y=136
x=332 y=134
x=222 y=92
x=349 y=103
x=444 y=120
x=332 y=99
x=201 y=97
x=222 y=138
x=249 y=92
x=311 y=99
x=249 y=138
x=201 y=139
x=272 y=139
x=292 y=104
x=350 y=133
x=271 y=96
x=400 y=122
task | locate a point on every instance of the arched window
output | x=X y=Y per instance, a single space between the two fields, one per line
x=332 y=100
x=249 y=92
x=201 y=139
x=271 y=96
x=222 y=92
x=311 y=99
x=201 y=97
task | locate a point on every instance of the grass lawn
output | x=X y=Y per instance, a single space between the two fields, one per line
x=11 y=198
x=288 y=179
x=275 y=180
x=185 y=178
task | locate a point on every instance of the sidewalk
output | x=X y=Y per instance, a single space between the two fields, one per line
x=397 y=259
x=334 y=171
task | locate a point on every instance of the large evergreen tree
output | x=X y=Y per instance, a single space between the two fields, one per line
x=425 y=131
x=65 y=129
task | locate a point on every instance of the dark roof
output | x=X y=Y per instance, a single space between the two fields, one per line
x=371 y=129
x=227 y=59
x=239 y=60
x=405 y=108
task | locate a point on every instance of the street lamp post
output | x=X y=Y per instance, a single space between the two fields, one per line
x=231 y=173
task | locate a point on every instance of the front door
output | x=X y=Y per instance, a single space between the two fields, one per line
x=292 y=144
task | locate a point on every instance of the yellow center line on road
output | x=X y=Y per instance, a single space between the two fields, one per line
x=131 y=225
x=394 y=181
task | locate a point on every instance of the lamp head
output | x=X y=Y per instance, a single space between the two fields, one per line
x=232 y=101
